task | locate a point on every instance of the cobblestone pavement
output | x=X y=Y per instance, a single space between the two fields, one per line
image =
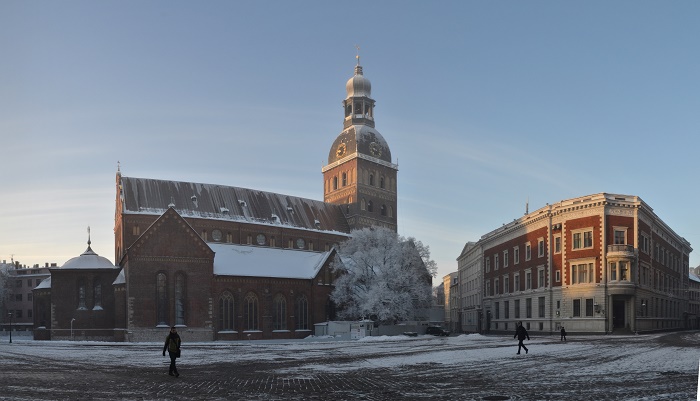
x=91 y=371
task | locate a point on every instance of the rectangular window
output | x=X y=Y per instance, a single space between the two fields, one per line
x=557 y=276
x=540 y=277
x=516 y=255
x=29 y=283
x=613 y=271
x=577 y=308
x=540 y=306
x=589 y=307
x=582 y=273
x=18 y=314
x=29 y=313
x=540 y=247
x=619 y=236
x=528 y=308
x=516 y=309
x=18 y=284
x=528 y=251
x=516 y=282
x=506 y=311
x=495 y=286
x=557 y=244
x=582 y=239
x=498 y=310
x=495 y=262
x=18 y=297
x=488 y=265
x=506 y=286
x=505 y=258
x=576 y=241
x=644 y=243
x=528 y=280
x=588 y=239
x=29 y=296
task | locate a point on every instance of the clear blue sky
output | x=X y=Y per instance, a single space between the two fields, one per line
x=484 y=105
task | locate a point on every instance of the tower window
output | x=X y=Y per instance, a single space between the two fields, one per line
x=335 y=182
x=369 y=206
x=382 y=210
x=381 y=182
x=371 y=179
x=345 y=179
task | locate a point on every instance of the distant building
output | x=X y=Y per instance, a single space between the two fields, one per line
x=596 y=264
x=227 y=263
x=19 y=301
x=471 y=278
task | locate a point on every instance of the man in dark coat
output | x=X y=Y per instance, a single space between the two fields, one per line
x=563 y=334
x=521 y=333
x=172 y=344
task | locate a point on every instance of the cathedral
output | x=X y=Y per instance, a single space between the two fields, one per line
x=222 y=262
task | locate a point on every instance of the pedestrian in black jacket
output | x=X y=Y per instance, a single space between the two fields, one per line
x=172 y=344
x=563 y=334
x=521 y=333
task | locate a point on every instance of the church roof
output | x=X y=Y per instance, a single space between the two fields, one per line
x=210 y=201
x=252 y=261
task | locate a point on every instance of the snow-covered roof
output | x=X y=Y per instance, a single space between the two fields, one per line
x=88 y=260
x=209 y=201
x=693 y=277
x=45 y=283
x=121 y=279
x=252 y=261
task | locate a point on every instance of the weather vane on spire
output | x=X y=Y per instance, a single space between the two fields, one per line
x=89 y=242
x=358 y=54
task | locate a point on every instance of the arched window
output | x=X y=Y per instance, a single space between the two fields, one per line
x=371 y=179
x=250 y=313
x=226 y=311
x=81 y=294
x=162 y=299
x=382 y=210
x=180 y=294
x=345 y=179
x=381 y=182
x=363 y=204
x=335 y=182
x=279 y=313
x=369 y=206
x=96 y=295
x=302 y=313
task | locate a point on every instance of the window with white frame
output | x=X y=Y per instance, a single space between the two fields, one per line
x=540 y=247
x=516 y=282
x=488 y=288
x=506 y=285
x=505 y=258
x=582 y=273
x=557 y=276
x=516 y=255
x=619 y=235
x=540 y=277
x=487 y=263
x=528 y=251
x=495 y=261
x=495 y=286
x=582 y=239
x=557 y=244
x=619 y=271
x=540 y=306
x=528 y=280
x=644 y=243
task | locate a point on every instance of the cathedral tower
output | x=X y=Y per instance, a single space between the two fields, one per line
x=359 y=172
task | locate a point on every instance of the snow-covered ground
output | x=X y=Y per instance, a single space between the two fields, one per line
x=634 y=367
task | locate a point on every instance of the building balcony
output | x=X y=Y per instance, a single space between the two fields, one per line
x=621 y=251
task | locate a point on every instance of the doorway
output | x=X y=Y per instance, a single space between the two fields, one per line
x=618 y=314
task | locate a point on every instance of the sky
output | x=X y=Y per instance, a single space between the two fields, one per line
x=486 y=106
x=619 y=367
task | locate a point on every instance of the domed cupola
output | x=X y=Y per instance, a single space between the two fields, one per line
x=88 y=260
x=359 y=137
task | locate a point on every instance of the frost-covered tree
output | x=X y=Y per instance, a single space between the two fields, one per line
x=382 y=274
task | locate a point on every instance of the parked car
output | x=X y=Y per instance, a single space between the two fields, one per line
x=437 y=331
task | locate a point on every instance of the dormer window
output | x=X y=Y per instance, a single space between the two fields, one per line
x=242 y=203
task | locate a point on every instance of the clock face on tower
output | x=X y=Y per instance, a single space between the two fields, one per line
x=341 y=150
x=375 y=149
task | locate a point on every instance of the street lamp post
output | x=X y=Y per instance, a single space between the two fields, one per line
x=10 y=314
x=71 y=328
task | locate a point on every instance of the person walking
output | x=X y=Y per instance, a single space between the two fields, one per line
x=172 y=345
x=521 y=334
x=563 y=334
